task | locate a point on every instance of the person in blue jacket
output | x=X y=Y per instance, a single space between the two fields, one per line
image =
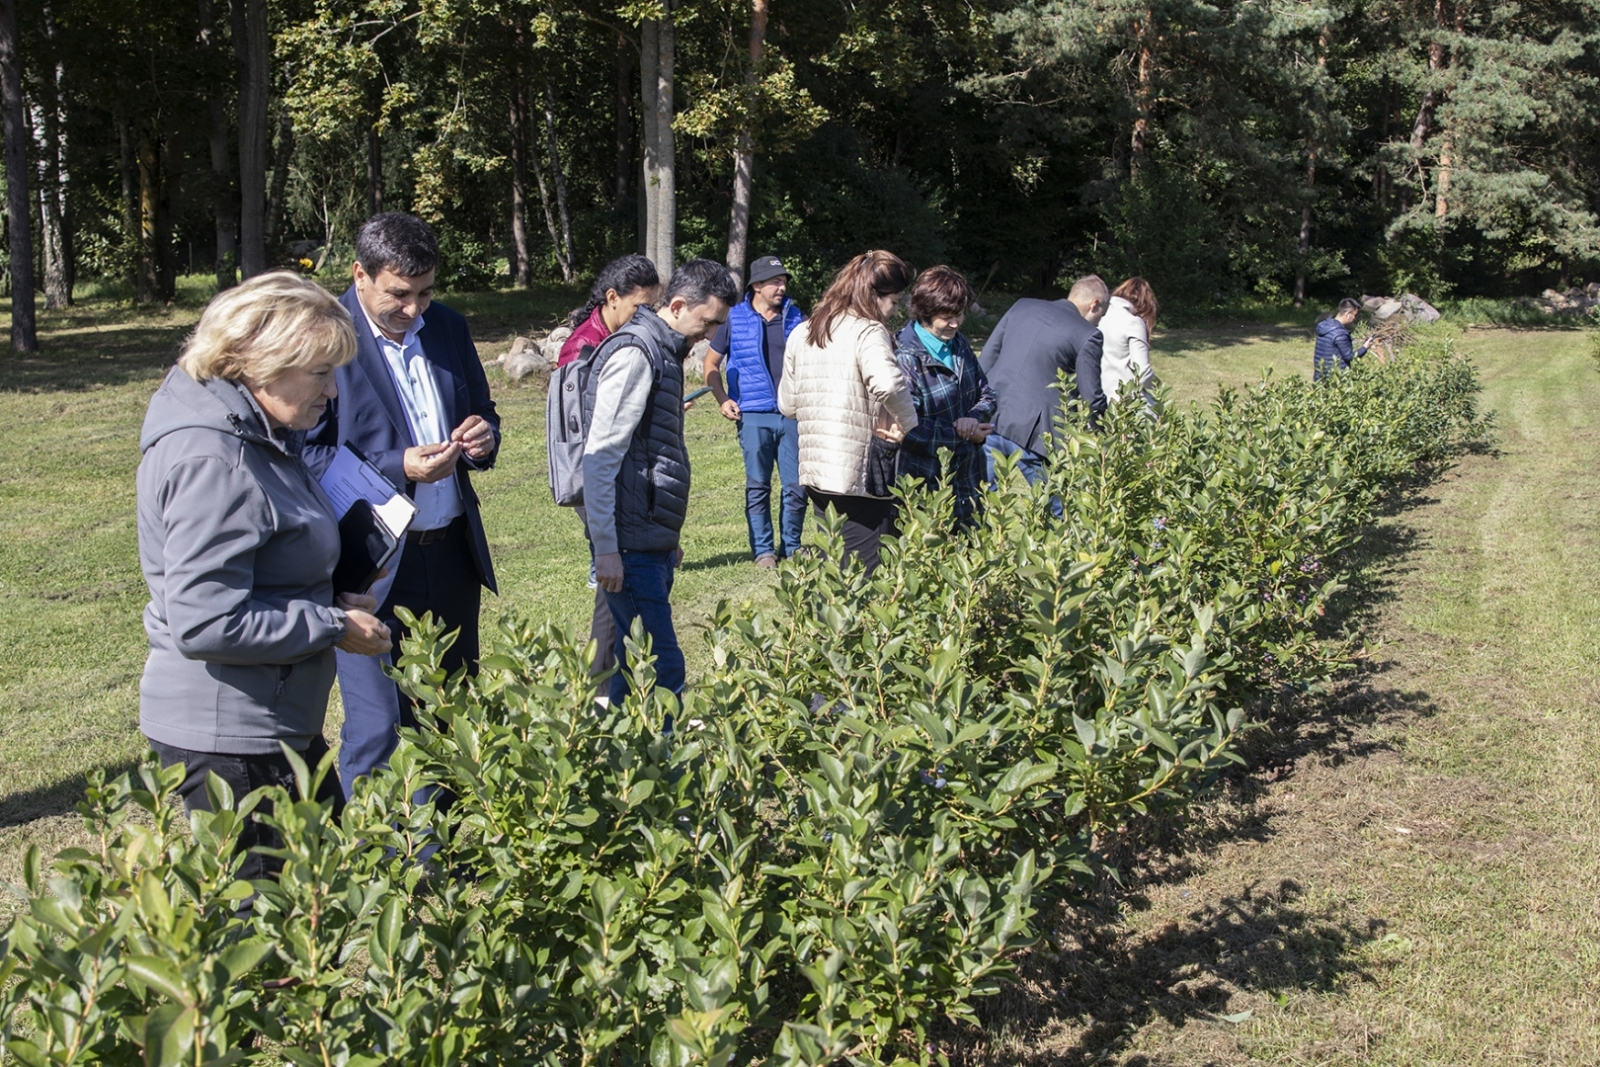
x=752 y=342
x=1333 y=341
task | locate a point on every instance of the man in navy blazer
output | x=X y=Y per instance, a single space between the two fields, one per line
x=416 y=403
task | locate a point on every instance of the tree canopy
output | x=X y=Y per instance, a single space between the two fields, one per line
x=1220 y=148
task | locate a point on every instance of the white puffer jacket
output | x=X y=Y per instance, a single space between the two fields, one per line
x=838 y=394
x=1125 y=357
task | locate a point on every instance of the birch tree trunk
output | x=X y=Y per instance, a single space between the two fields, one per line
x=45 y=131
x=252 y=42
x=564 y=246
x=744 y=150
x=665 y=223
x=650 y=178
x=24 y=336
x=521 y=262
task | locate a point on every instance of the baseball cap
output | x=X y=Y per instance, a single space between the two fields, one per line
x=764 y=267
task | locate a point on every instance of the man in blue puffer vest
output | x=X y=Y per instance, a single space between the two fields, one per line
x=1333 y=341
x=752 y=342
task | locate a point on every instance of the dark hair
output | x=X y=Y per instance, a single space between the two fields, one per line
x=940 y=290
x=700 y=280
x=871 y=273
x=1142 y=298
x=626 y=274
x=399 y=242
x=1348 y=305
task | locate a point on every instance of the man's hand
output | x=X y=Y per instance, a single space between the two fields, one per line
x=430 y=463
x=358 y=601
x=364 y=635
x=475 y=436
x=608 y=571
x=730 y=409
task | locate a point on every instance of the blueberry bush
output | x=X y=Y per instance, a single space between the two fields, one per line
x=838 y=837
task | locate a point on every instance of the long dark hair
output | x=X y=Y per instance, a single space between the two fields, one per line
x=871 y=273
x=625 y=275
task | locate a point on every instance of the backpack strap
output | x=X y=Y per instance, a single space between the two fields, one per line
x=627 y=337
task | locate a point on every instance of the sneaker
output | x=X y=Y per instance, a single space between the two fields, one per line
x=766 y=561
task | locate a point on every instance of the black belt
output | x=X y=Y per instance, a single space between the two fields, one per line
x=433 y=536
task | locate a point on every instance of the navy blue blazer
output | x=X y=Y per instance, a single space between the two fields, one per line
x=368 y=414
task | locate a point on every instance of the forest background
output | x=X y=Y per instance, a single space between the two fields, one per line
x=1233 y=150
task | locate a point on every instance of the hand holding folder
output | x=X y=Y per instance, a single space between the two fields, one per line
x=373 y=518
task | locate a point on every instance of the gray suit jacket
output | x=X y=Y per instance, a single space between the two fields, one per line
x=1033 y=341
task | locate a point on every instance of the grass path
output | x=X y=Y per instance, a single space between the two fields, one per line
x=1407 y=875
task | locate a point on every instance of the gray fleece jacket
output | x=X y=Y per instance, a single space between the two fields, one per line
x=238 y=544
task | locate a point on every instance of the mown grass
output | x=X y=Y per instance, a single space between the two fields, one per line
x=1405 y=876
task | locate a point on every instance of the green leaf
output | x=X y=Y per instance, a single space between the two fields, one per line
x=159 y=975
x=169 y=1034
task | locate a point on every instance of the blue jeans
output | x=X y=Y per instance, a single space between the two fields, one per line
x=1030 y=463
x=766 y=438
x=646 y=595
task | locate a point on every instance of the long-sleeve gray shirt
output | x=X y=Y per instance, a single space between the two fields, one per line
x=621 y=394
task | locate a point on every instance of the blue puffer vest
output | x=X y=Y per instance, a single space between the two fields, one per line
x=653 y=484
x=749 y=380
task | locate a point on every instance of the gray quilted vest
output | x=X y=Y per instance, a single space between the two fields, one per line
x=653 y=484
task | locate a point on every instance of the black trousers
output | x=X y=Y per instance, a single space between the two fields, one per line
x=867 y=520
x=245 y=774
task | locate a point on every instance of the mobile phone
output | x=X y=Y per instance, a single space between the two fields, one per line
x=697 y=394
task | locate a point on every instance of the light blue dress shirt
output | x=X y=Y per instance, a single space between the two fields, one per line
x=437 y=502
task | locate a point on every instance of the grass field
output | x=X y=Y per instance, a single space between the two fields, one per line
x=1406 y=875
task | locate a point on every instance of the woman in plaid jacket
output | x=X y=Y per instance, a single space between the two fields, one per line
x=955 y=406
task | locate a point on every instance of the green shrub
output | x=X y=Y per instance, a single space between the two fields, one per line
x=845 y=832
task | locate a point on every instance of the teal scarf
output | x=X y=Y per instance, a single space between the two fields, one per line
x=939 y=350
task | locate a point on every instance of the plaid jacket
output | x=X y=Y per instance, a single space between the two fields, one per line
x=941 y=396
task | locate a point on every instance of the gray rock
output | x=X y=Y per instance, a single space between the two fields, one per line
x=1593 y=291
x=519 y=345
x=694 y=368
x=1372 y=303
x=1418 y=309
x=551 y=345
x=524 y=364
x=1388 y=310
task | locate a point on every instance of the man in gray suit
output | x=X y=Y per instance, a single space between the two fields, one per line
x=1033 y=341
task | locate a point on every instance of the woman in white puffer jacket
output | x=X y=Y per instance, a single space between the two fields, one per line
x=842 y=386
x=1125 y=357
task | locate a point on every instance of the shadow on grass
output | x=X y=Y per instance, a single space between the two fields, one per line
x=1101 y=986
x=721 y=559
x=57 y=798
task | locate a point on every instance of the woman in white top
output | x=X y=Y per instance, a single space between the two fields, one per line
x=1125 y=357
x=842 y=386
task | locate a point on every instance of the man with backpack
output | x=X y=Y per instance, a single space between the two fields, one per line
x=635 y=466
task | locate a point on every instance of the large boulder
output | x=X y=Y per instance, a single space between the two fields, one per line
x=551 y=346
x=1418 y=309
x=1388 y=310
x=1372 y=303
x=524 y=364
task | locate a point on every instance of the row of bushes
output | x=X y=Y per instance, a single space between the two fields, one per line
x=842 y=836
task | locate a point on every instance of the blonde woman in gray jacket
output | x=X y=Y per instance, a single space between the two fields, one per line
x=843 y=388
x=238 y=543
